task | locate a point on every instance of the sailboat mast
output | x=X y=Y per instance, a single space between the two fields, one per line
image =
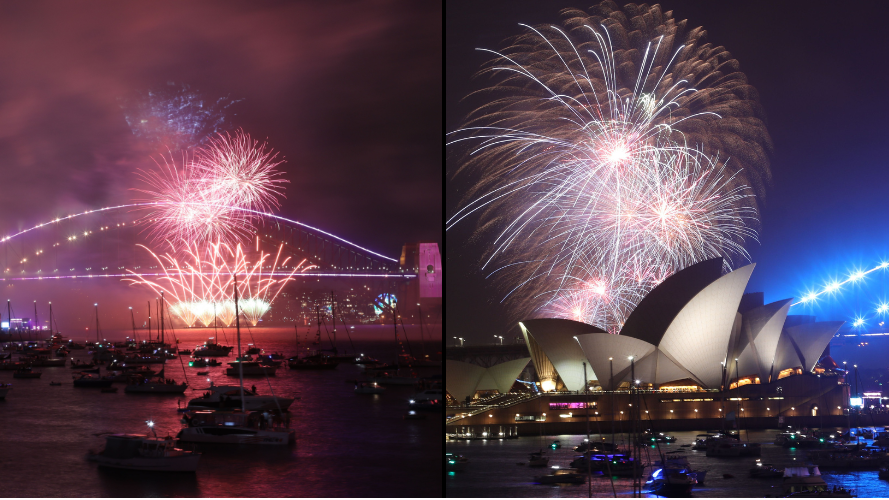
x=318 y=317
x=238 y=329
x=36 y=322
x=50 y=319
x=133 y=319
x=149 y=321
x=162 y=318
x=333 y=317
x=97 y=321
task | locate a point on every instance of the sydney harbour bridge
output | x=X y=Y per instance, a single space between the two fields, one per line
x=107 y=246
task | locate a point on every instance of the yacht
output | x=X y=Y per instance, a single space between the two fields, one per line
x=233 y=427
x=140 y=452
x=806 y=481
x=249 y=368
x=212 y=349
x=671 y=481
x=229 y=396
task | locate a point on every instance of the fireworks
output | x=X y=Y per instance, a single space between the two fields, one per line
x=176 y=116
x=239 y=171
x=215 y=196
x=202 y=289
x=604 y=161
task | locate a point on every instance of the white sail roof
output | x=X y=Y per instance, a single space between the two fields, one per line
x=505 y=374
x=697 y=338
x=555 y=337
x=599 y=347
x=461 y=378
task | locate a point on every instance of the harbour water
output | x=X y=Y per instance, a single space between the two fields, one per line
x=492 y=470
x=347 y=444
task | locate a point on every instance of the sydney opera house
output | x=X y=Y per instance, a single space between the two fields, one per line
x=695 y=347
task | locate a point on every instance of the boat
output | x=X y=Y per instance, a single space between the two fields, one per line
x=212 y=349
x=87 y=380
x=679 y=462
x=765 y=471
x=311 y=364
x=596 y=447
x=229 y=396
x=561 y=476
x=141 y=452
x=142 y=385
x=233 y=427
x=252 y=350
x=455 y=462
x=26 y=373
x=538 y=460
x=424 y=404
x=648 y=437
x=805 y=480
x=248 y=368
x=671 y=481
x=701 y=441
x=369 y=388
x=185 y=352
x=75 y=365
x=4 y=389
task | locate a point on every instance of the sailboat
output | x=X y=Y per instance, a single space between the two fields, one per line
x=317 y=361
x=237 y=426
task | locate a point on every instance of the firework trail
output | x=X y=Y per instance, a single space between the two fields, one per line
x=216 y=195
x=603 y=151
x=202 y=289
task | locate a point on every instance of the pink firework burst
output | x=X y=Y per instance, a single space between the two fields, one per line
x=240 y=171
x=217 y=196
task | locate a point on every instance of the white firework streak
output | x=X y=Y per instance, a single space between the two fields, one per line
x=599 y=188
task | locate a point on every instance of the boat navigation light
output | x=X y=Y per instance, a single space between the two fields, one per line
x=412 y=401
x=150 y=423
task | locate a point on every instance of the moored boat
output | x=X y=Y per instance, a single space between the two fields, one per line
x=234 y=427
x=141 y=452
x=229 y=396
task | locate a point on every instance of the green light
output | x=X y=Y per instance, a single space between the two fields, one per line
x=822 y=440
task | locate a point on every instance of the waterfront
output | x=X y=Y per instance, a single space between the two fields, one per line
x=347 y=444
x=492 y=470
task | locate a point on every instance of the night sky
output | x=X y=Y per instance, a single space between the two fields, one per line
x=347 y=92
x=821 y=78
